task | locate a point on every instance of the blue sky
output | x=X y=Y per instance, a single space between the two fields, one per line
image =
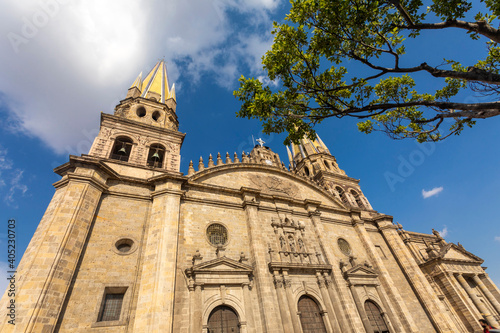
x=82 y=58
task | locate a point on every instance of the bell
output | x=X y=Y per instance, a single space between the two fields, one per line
x=155 y=156
x=122 y=151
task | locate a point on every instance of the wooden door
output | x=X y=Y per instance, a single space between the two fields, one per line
x=375 y=317
x=223 y=320
x=310 y=316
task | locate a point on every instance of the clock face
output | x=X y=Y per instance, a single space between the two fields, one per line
x=269 y=162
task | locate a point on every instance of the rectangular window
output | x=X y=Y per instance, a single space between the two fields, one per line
x=112 y=307
x=381 y=252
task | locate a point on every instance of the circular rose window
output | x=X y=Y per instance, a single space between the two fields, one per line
x=344 y=246
x=217 y=234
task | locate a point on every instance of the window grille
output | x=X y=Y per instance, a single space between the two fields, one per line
x=112 y=307
x=217 y=234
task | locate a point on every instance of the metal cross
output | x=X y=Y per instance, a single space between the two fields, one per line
x=261 y=142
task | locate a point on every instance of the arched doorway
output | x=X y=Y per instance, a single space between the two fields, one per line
x=310 y=316
x=375 y=317
x=223 y=320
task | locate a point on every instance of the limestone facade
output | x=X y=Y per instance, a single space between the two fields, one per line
x=130 y=244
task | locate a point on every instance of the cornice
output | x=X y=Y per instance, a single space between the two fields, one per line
x=146 y=127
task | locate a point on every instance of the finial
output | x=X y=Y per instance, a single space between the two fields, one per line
x=244 y=158
x=236 y=159
x=191 y=170
x=201 y=166
x=261 y=142
x=228 y=159
x=219 y=159
x=210 y=161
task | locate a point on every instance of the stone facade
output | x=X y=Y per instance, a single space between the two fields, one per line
x=242 y=234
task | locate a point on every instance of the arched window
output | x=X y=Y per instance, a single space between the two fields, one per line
x=121 y=149
x=342 y=195
x=155 y=156
x=306 y=170
x=326 y=164
x=375 y=317
x=358 y=199
x=223 y=320
x=310 y=316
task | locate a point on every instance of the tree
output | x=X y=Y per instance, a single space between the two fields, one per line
x=339 y=58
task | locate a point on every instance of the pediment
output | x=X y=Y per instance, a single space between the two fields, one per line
x=454 y=252
x=361 y=271
x=221 y=265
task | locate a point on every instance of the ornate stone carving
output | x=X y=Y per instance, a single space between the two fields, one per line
x=275 y=184
x=278 y=283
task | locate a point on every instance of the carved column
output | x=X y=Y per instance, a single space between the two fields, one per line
x=342 y=303
x=486 y=293
x=264 y=282
x=287 y=284
x=282 y=303
x=406 y=324
x=416 y=278
x=323 y=287
x=451 y=288
x=477 y=302
x=248 y=307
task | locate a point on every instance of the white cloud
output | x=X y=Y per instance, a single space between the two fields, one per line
x=5 y=164
x=431 y=193
x=16 y=188
x=443 y=232
x=64 y=61
x=12 y=177
x=497 y=238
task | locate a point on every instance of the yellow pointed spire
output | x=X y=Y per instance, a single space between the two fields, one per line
x=137 y=83
x=156 y=84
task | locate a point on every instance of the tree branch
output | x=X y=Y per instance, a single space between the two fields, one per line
x=480 y=27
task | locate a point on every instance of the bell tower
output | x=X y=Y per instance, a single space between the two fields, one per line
x=312 y=159
x=144 y=128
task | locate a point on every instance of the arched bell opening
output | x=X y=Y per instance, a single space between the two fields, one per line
x=342 y=195
x=374 y=315
x=223 y=319
x=357 y=199
x=311 y=317
x=121 y=149
x=156 y=155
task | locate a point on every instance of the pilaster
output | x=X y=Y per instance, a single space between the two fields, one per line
x=406 y=324
x=61 y=238
x=344 y=306
x=265 y=291
x=323 y=287
x=433 y=306
x=156 y=295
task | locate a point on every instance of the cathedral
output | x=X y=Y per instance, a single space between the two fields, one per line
x=241 y=243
